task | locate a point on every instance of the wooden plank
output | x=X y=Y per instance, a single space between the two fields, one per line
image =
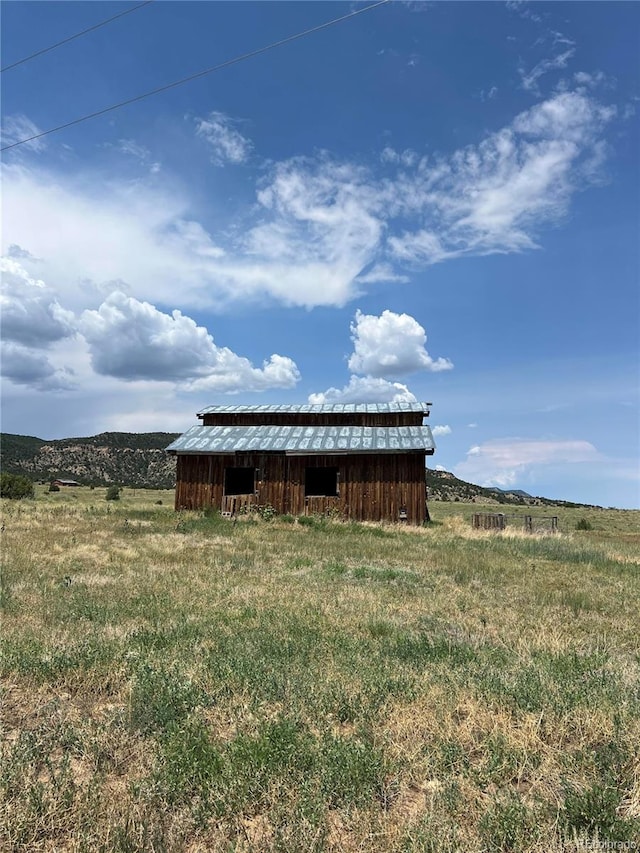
x=371 y=487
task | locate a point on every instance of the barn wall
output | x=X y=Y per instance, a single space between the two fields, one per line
x=371 y=487
x=381 y=419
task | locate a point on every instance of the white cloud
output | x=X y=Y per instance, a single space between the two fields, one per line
x=18 y=127
x=365 y=389
x=30 y=313
x=419 y=248
x=504 y=462
x=495 y=196
x=226 y=144
x=591 y=80
x=408 y=157
x=321 y=230
x=381 y=273
x=569 y=116
x=391 y=345
x=530 y=79
x=441 y=430
x=488 y=95
x=132 y=149
x=132 y=340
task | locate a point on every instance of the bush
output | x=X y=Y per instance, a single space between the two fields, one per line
x=53 y=487
x=584 y=524
x=113 y=493
x=16 y=487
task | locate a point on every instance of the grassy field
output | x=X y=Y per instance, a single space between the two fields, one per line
x=178 y=682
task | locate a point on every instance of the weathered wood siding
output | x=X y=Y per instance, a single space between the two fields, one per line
x=371 y=487
x=382 y=419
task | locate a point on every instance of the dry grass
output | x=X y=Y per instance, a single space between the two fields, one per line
x=178 y=682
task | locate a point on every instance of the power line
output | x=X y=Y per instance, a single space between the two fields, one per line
x=211 y=70
x=77 y=35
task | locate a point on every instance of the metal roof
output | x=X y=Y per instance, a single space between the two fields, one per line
x=302 y=440
x=325 y=408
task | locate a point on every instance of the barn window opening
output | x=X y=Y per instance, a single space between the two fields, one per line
x=321 y=482
x=239 y=481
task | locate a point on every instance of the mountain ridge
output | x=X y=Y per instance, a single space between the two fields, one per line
x=138 y=460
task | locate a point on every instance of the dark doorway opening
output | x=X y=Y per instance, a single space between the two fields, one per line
x=321 y=482
x=239 y=481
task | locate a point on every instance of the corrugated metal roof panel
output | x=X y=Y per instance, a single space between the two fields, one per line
x=326 y=408
x=303 y=439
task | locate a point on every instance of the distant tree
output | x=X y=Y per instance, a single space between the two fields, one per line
x=113 y=493
x=16 y=487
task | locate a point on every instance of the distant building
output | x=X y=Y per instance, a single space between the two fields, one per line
x=65 y=483
x=364 y=462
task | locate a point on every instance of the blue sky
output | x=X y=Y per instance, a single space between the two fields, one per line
x=432 y=201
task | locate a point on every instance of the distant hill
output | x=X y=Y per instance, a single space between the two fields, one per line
x=444 y=486
x=138 y=460
x=126 y=458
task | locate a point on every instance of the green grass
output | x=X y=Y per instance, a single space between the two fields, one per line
x=183 y=682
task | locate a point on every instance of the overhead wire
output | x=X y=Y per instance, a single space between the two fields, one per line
x=75 y=36
x=198 y=74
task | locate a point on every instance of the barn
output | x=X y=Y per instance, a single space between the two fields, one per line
x=364 y=462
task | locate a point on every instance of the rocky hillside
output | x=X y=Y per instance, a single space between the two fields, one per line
x=131 y=459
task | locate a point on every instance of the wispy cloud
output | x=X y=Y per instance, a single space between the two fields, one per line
x=321 y=229
x=226 y=143
x=545 y=66
x=505 y=462
x=18 y=127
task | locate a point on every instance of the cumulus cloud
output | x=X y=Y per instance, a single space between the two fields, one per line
x=226 y=144
x=391 y=345
x=133 y=340
x=365 y=389
x=30 y=313
x=23 y=365
x=445 y=429
x=504 y=462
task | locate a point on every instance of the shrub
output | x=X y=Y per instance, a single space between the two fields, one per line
x=53 y=487
x=113 y=493
x=16 y=487
x=584 y=524
x=266 y=512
